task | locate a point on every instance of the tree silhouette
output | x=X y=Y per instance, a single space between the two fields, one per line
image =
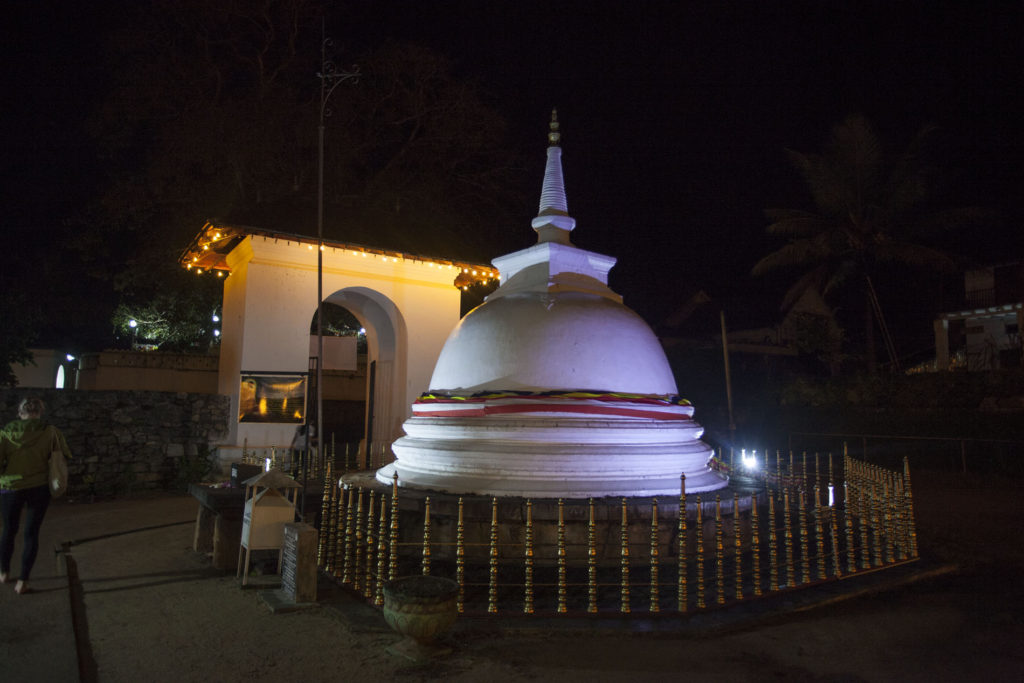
x=872 y=212
x=214 y=116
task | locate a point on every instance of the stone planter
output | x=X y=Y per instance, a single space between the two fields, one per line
x=420 y=608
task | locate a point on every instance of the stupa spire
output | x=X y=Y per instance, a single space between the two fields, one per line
x=553 y=222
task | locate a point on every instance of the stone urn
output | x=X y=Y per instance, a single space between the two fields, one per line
x=420 y=608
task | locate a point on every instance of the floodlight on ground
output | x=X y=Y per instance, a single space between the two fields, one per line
x=749 y=460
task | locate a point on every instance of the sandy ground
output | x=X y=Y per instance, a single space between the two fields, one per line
x=153 y=610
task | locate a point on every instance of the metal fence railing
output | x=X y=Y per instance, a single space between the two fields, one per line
x=799 y=525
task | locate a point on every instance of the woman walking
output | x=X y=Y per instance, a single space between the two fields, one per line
x=25 y=447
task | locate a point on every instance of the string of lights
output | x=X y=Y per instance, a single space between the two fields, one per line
x=207 y=253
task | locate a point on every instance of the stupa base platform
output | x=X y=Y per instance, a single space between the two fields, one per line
x=534 y=456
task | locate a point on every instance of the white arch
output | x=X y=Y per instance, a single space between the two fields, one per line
x=387 y=344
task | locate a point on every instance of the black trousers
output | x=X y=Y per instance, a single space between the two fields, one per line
x=35 y=500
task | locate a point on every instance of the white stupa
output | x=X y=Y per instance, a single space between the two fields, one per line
x=552 y=387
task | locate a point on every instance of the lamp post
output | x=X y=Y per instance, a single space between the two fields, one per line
x=330 y=78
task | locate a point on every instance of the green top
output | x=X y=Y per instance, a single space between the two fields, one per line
x=25 y=447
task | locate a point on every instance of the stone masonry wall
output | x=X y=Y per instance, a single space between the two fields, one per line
x=124 y=441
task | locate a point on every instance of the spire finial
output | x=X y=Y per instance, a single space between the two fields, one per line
x=554 y=136
x=553 y=222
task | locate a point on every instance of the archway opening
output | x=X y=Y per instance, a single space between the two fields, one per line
x=344 y=376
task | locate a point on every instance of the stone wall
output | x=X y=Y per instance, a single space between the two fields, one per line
x=124 y=441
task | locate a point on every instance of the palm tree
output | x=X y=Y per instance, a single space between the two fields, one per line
x=868 y=215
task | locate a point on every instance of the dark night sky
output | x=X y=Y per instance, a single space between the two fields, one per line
x=675 y=114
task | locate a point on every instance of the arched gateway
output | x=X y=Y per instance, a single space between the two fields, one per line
x=408 y=304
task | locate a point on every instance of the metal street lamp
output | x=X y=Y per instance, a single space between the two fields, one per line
x=330 y=78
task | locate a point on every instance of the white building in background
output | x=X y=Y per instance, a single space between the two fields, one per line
x=985 y=333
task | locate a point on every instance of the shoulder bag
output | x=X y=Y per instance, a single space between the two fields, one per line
x=58 y=469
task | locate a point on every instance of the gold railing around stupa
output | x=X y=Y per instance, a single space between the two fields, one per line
x=801 y=529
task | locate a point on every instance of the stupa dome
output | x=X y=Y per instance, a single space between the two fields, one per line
x=542 y=341
x=552 y=387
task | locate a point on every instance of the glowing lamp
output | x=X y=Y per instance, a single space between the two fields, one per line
x=749 y=461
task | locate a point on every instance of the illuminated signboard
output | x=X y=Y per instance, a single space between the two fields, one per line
x=272 y=398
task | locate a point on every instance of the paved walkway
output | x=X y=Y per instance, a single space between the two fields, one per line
x=147 y=608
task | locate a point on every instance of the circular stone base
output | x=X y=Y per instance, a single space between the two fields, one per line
x=552 y=457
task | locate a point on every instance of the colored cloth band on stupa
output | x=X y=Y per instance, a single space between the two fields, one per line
x=577 y=403
x=440 y=396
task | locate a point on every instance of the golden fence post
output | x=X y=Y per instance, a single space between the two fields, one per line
x=326 y=525
x=357 y=574
x=624 y=563
x=778 y=466
x=719 y=559
x=862 y=520
x=831 y=475
x=655 y=558
x=393 y=535
x=336 y=535
x=788 y=523
x=561 y=557
x=755 y=544
x=833 y=526
x=877 y=520
x=817 y=469
x=683 y=598
x=849 y=486
x=346 y=576
x=370 y=540
x=909 y=507
x=329 y=528
x=819 y=531
x=460 y=560
x=492 y=571
x=591 y=560
x=700 y=554
x=887 y=519
x=902 y=532
x=737 y=544
x=851 y=555
x=773 y=554
x=805 y=559
x=382 y=553
x=528 y=560
x=899 y=528
x=425 y=562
